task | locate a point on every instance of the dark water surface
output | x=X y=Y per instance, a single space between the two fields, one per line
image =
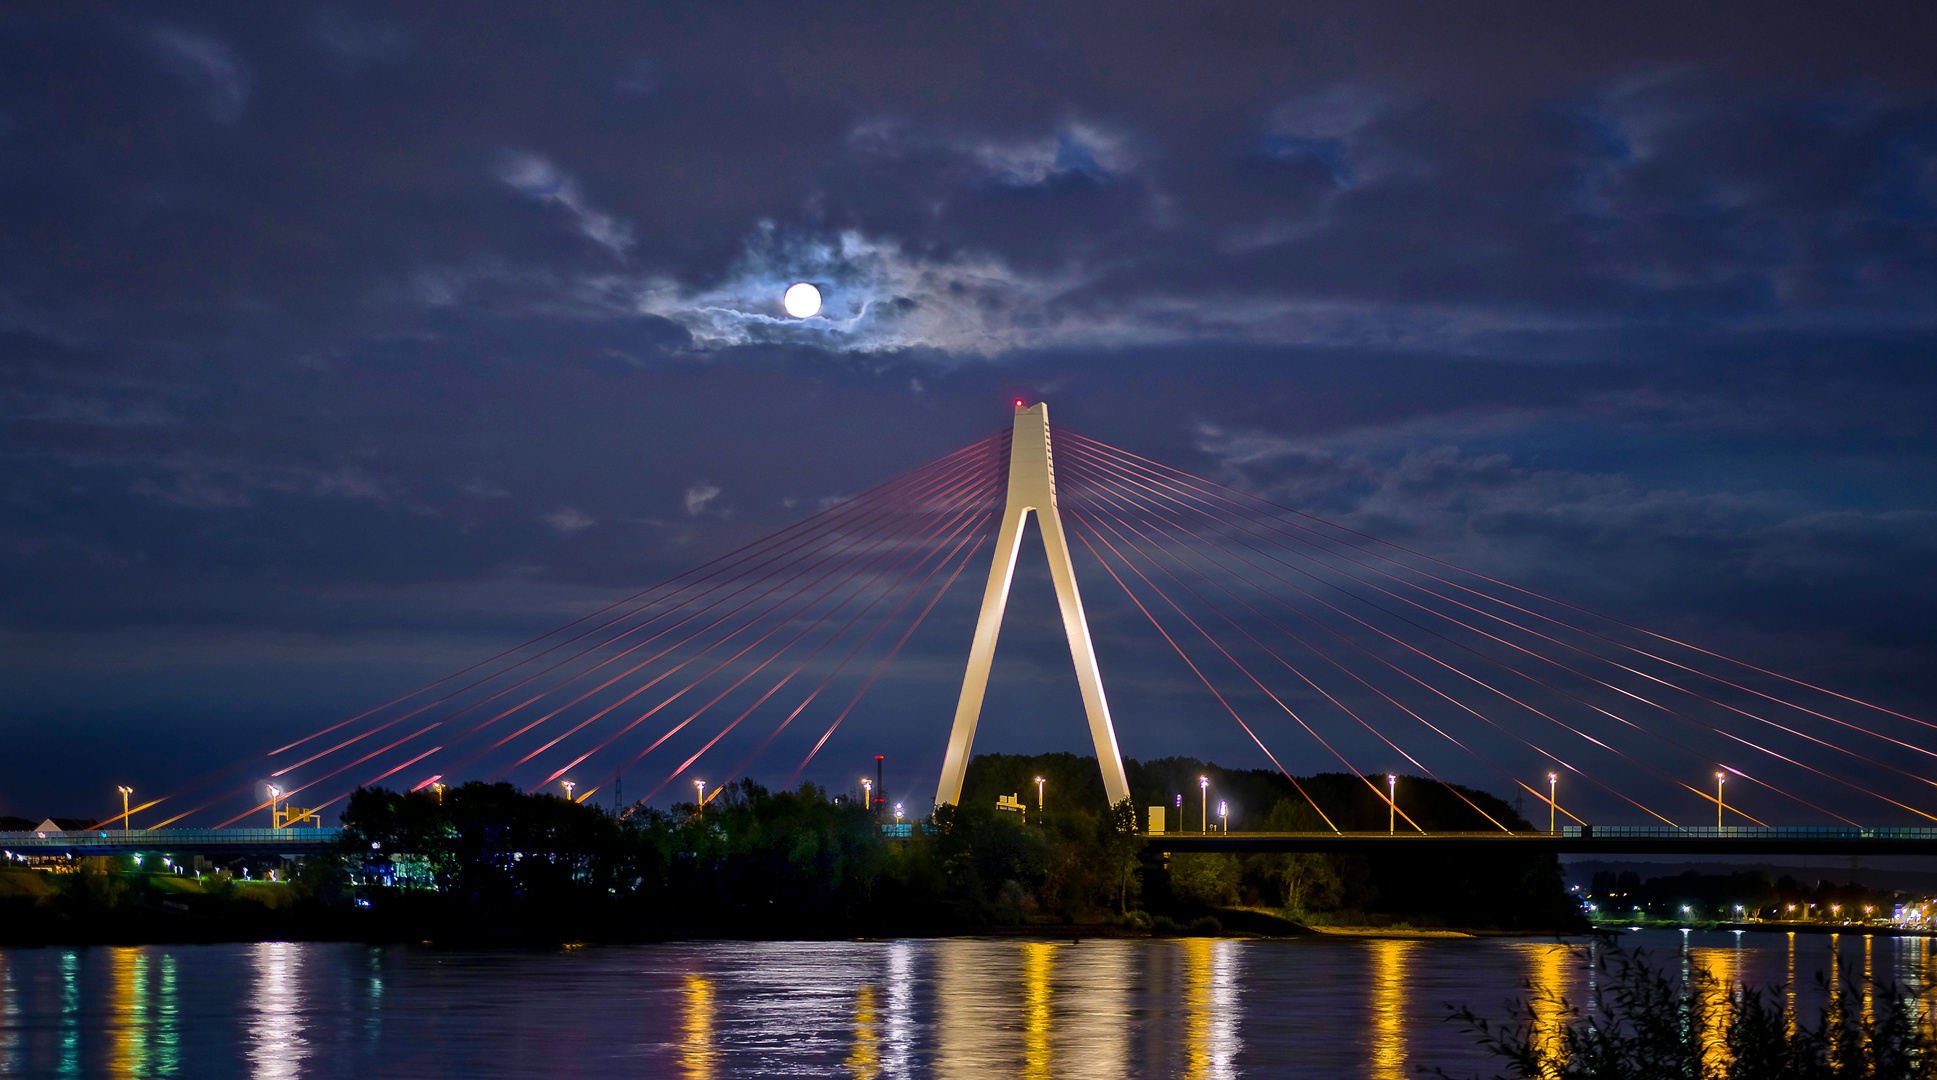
x=957 y=1007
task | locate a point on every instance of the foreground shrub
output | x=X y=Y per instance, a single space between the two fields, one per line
x=1641 y=1023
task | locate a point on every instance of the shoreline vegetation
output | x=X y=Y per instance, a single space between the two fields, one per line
x=485 y=863
x=1642 y=1016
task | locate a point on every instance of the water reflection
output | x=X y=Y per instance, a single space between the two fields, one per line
x=1389 y=1006
x=1547 y=981
x=697 y=1054
x=975 y=987
x=128 y=970
x=276 y=1046
x=1789 y=990
x=949 y=1008
x=864 y=1060
x=70 y=1024
x=1719 y=990
x=12 y=1059
x=1037 y=956
x=1210 y=1008
x=901 y=1004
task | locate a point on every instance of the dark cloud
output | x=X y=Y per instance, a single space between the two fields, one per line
x=341 y=345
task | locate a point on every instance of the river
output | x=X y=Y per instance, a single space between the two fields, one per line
x=950 y=1007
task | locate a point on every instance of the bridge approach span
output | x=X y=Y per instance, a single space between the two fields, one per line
x=213 y=843
x=1576 y=840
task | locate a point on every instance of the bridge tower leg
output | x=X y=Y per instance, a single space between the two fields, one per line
x=1032 y=486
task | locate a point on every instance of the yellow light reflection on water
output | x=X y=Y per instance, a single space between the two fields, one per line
x=1038 y=960
x=1388 y=986
x=128 y=974
x=1210 y=1007
x=1547 y=979
x=1789 y=991
x=864 y=1059
x=1869 y=987
x=697 y=1054
x=1723 y=968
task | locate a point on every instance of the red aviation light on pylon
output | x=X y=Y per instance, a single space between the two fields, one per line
x=1018 y=403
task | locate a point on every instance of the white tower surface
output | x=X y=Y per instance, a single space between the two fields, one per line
x=1032 y=486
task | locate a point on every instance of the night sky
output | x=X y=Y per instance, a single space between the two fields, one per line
x=343 y=345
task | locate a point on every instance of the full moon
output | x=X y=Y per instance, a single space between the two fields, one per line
x=802 y=300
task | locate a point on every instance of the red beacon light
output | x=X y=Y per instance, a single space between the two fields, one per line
x=1018 y=403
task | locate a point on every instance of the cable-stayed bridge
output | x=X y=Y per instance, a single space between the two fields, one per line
x=1329 y=649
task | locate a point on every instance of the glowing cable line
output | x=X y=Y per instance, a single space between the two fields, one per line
x=1482 y=683
x=1268 y=651
x=1314 y=650
x=600 y=714
x=1622 y=720
x=1081 y=535
x=781 y=651
x=1289 y=711
x=983 y=446
x=890 y=510
x=810 y=658
x=861 y=550
x=1543 y=596
x=628 y=727
x=783 y=580
x=883 y=665
x=1270 y=522
x=836 y=511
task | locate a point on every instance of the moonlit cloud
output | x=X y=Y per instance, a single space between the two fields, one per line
x=699 y=496
x=540 y=180
x=354 y=45
x=206 y=63
x=570 y=520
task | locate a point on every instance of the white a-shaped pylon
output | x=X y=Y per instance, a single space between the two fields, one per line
x=1032 y=486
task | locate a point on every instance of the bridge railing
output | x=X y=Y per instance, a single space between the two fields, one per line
x=1745 y=832
x=166 y=840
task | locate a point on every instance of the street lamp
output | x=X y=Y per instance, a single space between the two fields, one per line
x=1039 y=783
x=1719 y=777
x=700 y=806
x=1553 y=786
x=897 y=813
x=1204 y=820
x=274 y=794
x=438 y=787
x=568 y=785
x=1391 y=804
x=1223 y=817
x=125 y=791
x=867 y=794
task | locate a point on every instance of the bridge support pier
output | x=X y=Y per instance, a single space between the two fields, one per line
x=1032 y=486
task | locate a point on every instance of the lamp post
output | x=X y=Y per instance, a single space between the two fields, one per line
x=700 y=806
x=438 y=787
x=1204 y=821
x=125 y=791
x=1553 y=786
x=1719 y=777
x=897 y=813
x=1039 y=783
x=1391 y=804
x=274 y=794
x=1223 y=817
x=867 y=794
x=568 y=785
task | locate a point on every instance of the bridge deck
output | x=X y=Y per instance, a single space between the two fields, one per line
x=1574 y=839
x=217 y=842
